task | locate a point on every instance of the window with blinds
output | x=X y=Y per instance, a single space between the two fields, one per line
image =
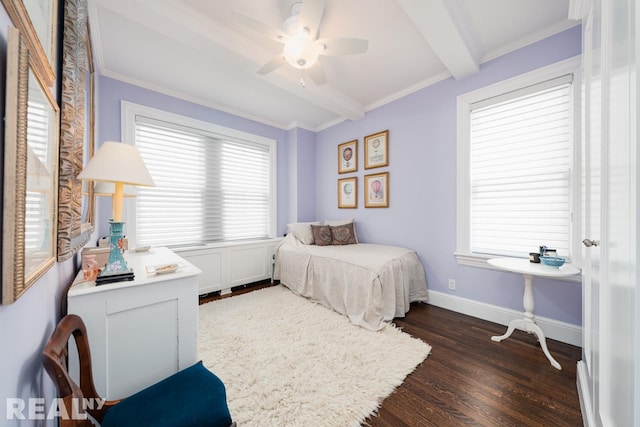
x=520 y=170
x=207 y=188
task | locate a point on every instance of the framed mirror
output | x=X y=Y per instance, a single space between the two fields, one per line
x=76 y=208
x=37 y=22
x=30 y=174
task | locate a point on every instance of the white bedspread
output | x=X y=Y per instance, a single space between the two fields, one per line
x=371 y=284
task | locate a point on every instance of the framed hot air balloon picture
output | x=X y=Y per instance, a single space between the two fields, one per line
x=376 y=190
x=348 y=156
x=376 y=150
x=348 y=193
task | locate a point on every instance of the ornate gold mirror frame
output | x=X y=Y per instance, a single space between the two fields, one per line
x=76 y=211
x=30 y=174
x=38 y=24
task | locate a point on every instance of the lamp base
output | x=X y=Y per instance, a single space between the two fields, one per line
x=116 y=269
x=115 y=277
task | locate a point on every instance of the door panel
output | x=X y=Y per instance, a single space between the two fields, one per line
x=592 y=176
x=609 y=273
x=616 y=389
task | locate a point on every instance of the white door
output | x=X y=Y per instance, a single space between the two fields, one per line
x=592 y=205
x=610 y=275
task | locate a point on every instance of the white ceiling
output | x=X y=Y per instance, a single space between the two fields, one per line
x=194 y=50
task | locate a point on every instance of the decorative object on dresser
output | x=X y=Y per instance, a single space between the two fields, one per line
x=193 y=396
x=289 y=362
x=101 y=254
x=376 y=150
x=119 y=164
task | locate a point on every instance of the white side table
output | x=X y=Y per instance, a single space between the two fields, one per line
x=528 y=271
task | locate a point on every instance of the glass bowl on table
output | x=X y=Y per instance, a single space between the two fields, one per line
x=552 y=261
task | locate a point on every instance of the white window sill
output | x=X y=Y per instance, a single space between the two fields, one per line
x=480 y=261
x=227 y=244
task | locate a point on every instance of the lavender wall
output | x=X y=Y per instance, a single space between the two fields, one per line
x=301 y=165
x=422 y=178
x=26 y=325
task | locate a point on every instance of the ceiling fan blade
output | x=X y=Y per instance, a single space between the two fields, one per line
x=316 y=73
x=272 y=65
x=259 y=27
x=335 y=46
x=311 y=15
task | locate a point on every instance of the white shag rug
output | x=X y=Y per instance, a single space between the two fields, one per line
x=286 y=361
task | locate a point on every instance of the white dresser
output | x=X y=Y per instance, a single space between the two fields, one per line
x=140 y=331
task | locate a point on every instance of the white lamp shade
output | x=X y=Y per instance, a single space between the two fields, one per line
x=117 y=162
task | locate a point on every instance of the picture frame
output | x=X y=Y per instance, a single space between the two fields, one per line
x=76 y=208
x=348 y=156
x=37 y=21
x=376 y=150
x=348 y=193
x=376 y=189
x=30 y=173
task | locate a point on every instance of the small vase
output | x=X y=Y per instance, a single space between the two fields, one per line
x=89 y=267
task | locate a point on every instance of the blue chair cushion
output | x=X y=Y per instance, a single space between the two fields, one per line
x=193 y=397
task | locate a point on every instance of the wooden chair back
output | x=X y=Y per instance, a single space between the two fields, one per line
x=55 y=362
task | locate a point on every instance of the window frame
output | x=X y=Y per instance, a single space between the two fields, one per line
x=463 y=252
x=129 y=112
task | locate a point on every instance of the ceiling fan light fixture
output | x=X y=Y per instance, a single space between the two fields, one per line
x=300 y=51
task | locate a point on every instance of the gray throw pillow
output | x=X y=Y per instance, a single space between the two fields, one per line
x=321 y=234
x=343 y=235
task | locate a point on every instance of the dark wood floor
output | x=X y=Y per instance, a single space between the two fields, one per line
x=469 y=380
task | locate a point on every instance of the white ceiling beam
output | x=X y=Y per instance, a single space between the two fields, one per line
x=444 y=27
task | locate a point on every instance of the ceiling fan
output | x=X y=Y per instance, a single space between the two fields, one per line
x=299 y=37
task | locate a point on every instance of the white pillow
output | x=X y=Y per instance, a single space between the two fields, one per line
x=302 y=231
x=337 y=222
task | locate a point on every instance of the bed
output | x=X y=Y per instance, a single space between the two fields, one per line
x=370 y=284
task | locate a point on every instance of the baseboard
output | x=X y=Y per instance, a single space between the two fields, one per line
x=584 y=395
x=553 y=329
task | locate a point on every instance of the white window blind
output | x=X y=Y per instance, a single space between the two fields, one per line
x=521 y=157
x=207 y=189
x=38 y=200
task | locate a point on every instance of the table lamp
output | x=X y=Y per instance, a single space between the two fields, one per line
x=107 y=189
x=119 y=164
x=102 y=188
